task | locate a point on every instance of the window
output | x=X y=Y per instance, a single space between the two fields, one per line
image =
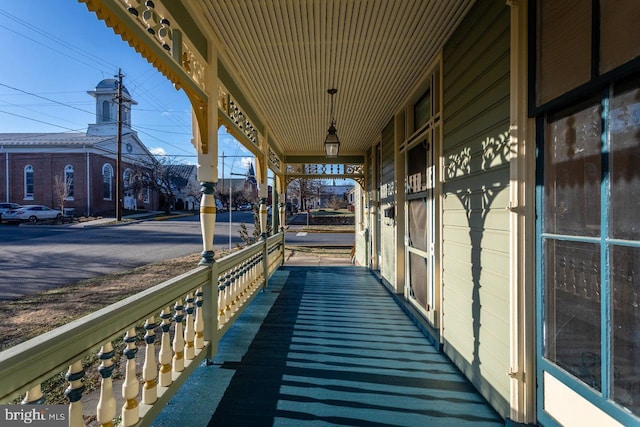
x=590 y=243
x=107 y=182
x=28 y=182
x=587 y=103
x=420 y=219
x=423 y=120
x=127 y=182
x=422 y=110
x=68 y=182
x=106 y=111
x=147 y=189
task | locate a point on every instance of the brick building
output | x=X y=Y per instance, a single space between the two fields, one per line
x=33 y=165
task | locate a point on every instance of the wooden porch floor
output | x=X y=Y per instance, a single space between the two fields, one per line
x=327 y=346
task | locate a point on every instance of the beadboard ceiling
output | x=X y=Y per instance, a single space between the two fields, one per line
x=286 y=54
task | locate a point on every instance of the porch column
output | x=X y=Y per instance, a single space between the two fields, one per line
x=206 y=142
x=263 y=188
x=262 y=194
x=521 y=207
x=401 y=232
x=281 y=207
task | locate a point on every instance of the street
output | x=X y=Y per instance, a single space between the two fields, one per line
x=37 y=258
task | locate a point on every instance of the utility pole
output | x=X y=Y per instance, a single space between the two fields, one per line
x=119 y=149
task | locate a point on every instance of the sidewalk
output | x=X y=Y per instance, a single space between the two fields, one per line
x=155 y=215
x=297 y=258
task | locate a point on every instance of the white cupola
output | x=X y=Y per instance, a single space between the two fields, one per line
x=105 y=94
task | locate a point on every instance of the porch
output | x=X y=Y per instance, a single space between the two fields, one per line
x=326 y=345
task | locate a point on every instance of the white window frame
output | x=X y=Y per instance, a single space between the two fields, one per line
x=69 y=175
x=28 y=170
x=107 y=167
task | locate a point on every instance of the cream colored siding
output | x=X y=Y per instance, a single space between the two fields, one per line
x=475 y=225
x=387 y=200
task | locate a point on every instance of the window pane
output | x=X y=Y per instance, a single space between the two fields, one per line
x=106 y=187
x=28 y=176
x=422 y=110
x=417 y=164
x=418 y=229
x=619 y=32
x=572 y=308
x=419 y=283
x=69 y=183
x=564 y=47
x=624 y=129
x=625 y=285
x=572 y=173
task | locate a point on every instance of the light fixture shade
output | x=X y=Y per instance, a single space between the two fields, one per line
x=331 y=143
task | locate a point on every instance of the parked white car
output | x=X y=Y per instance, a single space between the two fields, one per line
x=6 y=207
x=32 y=213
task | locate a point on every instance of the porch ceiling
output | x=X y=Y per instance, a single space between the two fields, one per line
x=286 y=54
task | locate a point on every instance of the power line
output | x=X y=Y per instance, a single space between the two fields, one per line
x=49 y=36
x=146 y=93
x=47 y=99
x=36 y=120
x=54 y=43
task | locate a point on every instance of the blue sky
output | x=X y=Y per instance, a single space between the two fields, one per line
x=56 y=50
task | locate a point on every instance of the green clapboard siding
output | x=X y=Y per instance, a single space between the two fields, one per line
x=475 y=223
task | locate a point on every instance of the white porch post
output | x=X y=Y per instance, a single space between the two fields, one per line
x=522 y=371
x=262 y=194
x=207 y=146
x=281 y=207
x=263 y=188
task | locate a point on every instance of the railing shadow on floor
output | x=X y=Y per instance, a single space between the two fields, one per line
x=327 y=345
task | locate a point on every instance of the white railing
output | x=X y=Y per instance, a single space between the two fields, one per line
x=190 y=313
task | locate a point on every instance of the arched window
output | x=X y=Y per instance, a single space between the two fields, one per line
x=28 y=182
x=107 y=182
x=68 y=182
x=127 y=182
x=106 y=111
x=147 y=190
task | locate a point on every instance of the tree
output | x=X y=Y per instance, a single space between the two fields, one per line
x=61 y=189
x=159 y=177
x=250 y=239
x=305 y=191
x=336 y=202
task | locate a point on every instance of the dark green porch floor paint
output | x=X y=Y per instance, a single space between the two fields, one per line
x=327 y=346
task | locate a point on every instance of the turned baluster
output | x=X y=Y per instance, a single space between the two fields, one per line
x=149 y=374
x=34 y=396
x=130 y=387
x=228 y=298
x=199 y=322
x=178 y=338
x=164 y=376
x=189 y=330
x=231 y=297
x=221 y=301
x=260 y=270
x=242 y=275
x=235 y=281
x=74 y=393
x=107 y=403
x=252 y=274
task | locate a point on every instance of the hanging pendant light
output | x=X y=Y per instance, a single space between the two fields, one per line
x=331 y=142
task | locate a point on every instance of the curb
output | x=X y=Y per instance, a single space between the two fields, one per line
x=106 y=222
